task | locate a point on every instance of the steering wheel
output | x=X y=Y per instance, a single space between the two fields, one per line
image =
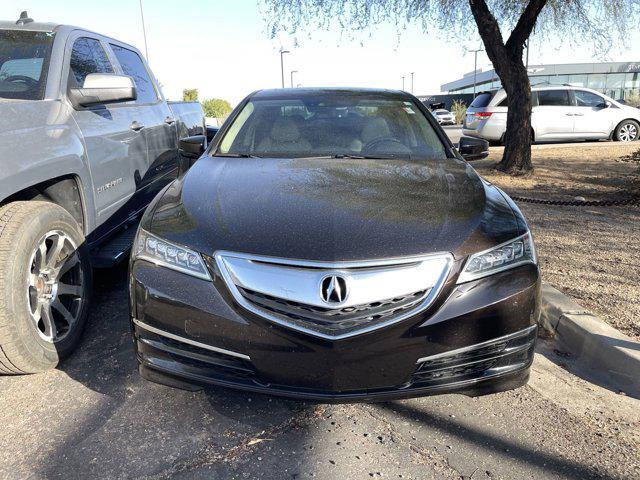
x=30 y=82
x=386 y=145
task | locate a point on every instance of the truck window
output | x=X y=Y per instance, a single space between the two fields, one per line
x=24 y=58
x=133 y=66
x=87 y=56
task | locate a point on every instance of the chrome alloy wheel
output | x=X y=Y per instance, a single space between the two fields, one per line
x=628 y=132
x=55 y=290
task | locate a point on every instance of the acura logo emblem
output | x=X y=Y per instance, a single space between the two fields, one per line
x=333 y=289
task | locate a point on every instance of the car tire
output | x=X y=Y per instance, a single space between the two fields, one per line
x=46 y=277
x=627 y=131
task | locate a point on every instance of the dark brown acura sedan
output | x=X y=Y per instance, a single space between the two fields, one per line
x=332 y=244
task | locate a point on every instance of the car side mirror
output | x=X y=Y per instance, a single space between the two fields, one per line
x=607 y=104
x=472 y=148
x=101 y=88
x=192 y=147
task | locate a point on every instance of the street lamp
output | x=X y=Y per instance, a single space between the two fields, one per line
x=403 y=82
x=292 y=72
x=412 y=73
x=144 y=33
x=282 y=52
x=475 y=68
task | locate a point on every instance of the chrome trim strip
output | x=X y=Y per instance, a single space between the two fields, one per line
x=511 y=336
x=238 y=297
x=178 y=338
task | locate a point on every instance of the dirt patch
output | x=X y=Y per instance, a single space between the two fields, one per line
x=590 y=253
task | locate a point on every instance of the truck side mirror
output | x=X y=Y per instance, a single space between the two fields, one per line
x=472 y=148
x=101 y=88
x=192 y=147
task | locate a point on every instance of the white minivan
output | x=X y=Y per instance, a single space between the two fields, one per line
x=560 y=113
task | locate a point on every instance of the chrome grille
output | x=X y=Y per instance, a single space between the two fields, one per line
x=293 y=293
x=335 y=319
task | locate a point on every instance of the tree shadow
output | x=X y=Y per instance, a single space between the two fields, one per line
x=133 y=427
x=493 y=445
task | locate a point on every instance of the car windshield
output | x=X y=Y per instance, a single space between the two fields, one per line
x=332 y=124
x=441 y=112
x=23 y=63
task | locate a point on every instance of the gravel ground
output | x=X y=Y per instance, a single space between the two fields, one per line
x=590 y=253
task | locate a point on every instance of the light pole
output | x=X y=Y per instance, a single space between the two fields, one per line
x=292 y=72
x=403 y=82
x=412 y=73
x=282 y=52
x=144 y=33
x=475 y=68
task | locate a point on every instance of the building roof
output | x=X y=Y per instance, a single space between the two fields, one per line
x=553 y=69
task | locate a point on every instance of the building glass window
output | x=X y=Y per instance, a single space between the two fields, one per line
x=558 y=79
x=597 y=81
x=578 y=80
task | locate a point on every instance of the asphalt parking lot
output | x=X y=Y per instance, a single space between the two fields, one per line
x=94 y=417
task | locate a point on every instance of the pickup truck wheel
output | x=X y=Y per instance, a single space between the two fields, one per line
x=627 y=131
x=45 y=276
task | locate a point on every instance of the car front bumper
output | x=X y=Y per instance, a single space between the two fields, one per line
x=476 y=338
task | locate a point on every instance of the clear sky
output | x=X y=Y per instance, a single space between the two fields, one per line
x=222 y=47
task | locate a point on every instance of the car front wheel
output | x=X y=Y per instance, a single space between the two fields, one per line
x=45 y=274
x=627 y=131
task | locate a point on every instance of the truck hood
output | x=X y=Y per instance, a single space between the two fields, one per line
x=332 y=209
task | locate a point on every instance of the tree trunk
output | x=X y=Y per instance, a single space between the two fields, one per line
x=516 y=159
x=509 y=65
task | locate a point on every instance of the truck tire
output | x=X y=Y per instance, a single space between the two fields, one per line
x=627 y=131
x=45 y=286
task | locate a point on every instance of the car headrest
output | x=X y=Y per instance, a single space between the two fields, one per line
x=375 y=128
x=285 y=130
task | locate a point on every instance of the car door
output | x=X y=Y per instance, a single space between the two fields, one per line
x=552 y=117
x=593 y=118
x=158 y=126
x=113 y=148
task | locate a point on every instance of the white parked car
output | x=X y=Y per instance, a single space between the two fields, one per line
x=559 y=113
x=444 y=117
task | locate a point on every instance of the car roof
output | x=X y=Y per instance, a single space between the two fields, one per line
x=285 y=93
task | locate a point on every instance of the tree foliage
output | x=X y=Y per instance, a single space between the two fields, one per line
x=190 y=95
x=600 y=23
x=216 y=108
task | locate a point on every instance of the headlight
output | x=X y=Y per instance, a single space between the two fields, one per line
x=497 y=259
x=155 y=250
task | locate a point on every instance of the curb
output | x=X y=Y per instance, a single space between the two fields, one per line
x=594 y=344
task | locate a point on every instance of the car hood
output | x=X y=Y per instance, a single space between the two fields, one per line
x=332 y=209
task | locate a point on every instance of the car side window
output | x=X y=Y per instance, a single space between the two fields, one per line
x=588 y=99
x=133 y=66
x=553 y=98
x=87 y=56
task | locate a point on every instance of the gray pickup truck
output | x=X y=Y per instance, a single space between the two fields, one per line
x=86 y=141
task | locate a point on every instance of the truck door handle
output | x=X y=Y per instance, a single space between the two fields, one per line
x=578 y=114
x=169 y=120
x=135 y=126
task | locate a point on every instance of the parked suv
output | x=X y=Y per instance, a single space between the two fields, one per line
x=559 y=113
x=86 y=141
x=444 y=117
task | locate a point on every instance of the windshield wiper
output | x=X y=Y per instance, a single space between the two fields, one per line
x=236 y=155
x=364 y=157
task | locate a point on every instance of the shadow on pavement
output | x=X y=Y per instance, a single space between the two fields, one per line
x=133 y=427
x=493 y=445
